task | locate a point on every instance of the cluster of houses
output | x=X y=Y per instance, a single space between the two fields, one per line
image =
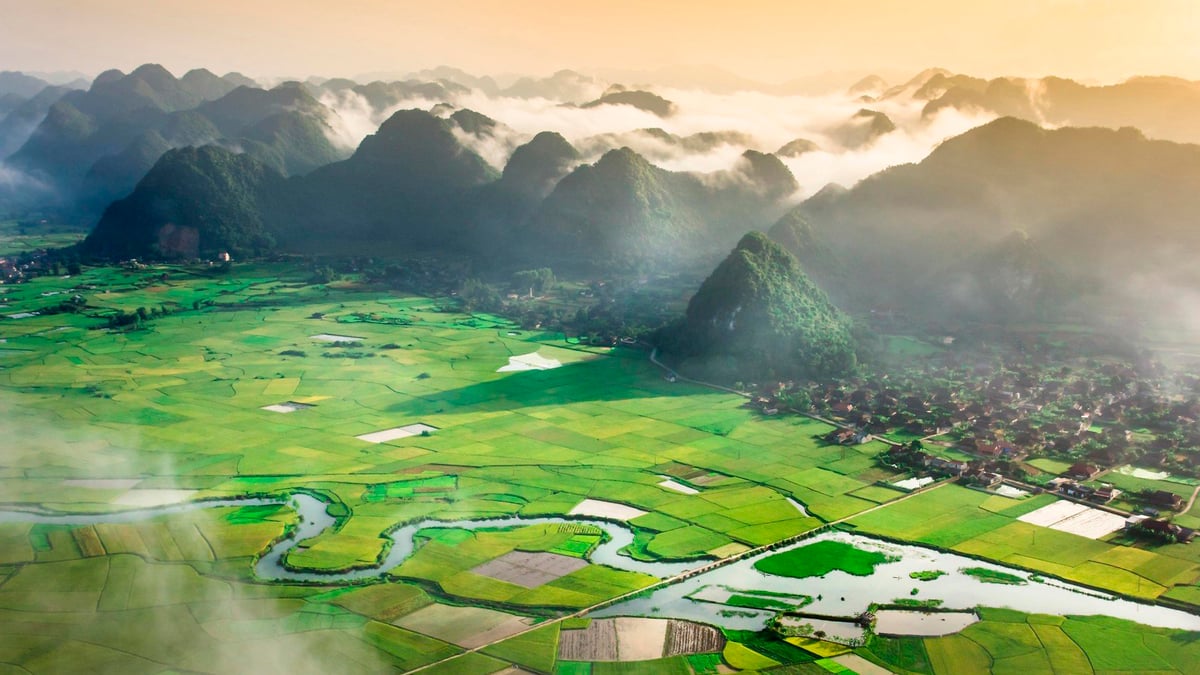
x=1161 y=529
x=989 y=474
x=11 y=270
x=1008 y=415
x=979 y=472
x=1070 y=487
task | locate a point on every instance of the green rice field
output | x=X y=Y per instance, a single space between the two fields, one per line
x=255 y=382
x=175 y=411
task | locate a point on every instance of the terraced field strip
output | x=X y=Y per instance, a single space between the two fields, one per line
x=684 y=575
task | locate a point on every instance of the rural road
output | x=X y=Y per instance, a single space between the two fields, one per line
x=1192 y=500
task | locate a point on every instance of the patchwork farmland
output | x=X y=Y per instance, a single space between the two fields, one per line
x=258 y=383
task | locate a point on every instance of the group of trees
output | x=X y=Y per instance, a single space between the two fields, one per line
x=537 y=281
x=139 y=317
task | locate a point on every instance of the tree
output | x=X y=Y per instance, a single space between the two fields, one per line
x=477 y=295
x=539 y=280
x=798 y=399
x=323 y=274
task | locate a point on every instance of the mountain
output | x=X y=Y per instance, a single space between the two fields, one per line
x=9 y=102
x=624 y=210
x=20 y=84
x=937 y=86
x=1108 y=207
x=194 y=202
x=205 y=85
x=764 y=174
x=500 y=211
x=913 y=85
x=404 y=184
x=794 y=233
x=473 y=123
x=536 y=167
x=1009 y=280
x=382 y=96
x=83 y=126
x=242 y=107
x=92 y=160
x=797 y=147
x=660 y=145
x=418 y=183
x=702 y=141
x=285 y=128
x=292 y=142
x=566 y=86
x=239 y=80
x=1161 y=107
x=642 y=100
x=759 y=315
x=18 y=125
x=871 y=85
x=485 y=85
x=862 y=129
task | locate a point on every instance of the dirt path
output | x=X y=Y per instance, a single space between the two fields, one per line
x=1192 y=500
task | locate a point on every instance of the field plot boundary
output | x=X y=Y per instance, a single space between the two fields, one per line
x=529 y=569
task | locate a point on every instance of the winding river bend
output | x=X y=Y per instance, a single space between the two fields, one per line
x=837 y=593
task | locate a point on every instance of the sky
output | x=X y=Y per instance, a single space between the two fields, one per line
x=771 y=41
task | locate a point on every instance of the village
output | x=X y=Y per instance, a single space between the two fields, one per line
x=983 y=426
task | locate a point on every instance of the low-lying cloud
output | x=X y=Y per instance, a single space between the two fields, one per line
x=19 y=190
x=747 y=120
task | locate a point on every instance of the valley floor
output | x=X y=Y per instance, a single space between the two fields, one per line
x=394 y=409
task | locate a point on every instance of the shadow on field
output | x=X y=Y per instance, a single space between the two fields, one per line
x=603 y=379
x=1185 y=637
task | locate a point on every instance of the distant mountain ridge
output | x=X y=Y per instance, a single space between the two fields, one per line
x=1105 y=206
x=1161 y=107
x=92 y=146
x=414 y=184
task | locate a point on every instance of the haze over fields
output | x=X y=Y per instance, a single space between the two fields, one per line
x=610 y=338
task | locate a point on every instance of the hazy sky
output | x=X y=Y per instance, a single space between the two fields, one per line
x=769 y=40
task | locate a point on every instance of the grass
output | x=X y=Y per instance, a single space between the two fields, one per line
x=905 y=654
x=1007 y=641
x=124 y=612
x=15 y=240
x=675 y=665
x=971 y=522
x=957 y=654
x=536 y=649
x=990 y=576
x=384 y=602
x=821 y=558
x=83 y=402
x=743 y=658
x=928 y=575
x=453 y=624
x=765 y=602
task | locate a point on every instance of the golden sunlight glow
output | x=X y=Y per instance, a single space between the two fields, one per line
x=768 y=40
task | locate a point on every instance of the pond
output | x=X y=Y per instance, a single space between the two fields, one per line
x=841 y=594
x=924 y=624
